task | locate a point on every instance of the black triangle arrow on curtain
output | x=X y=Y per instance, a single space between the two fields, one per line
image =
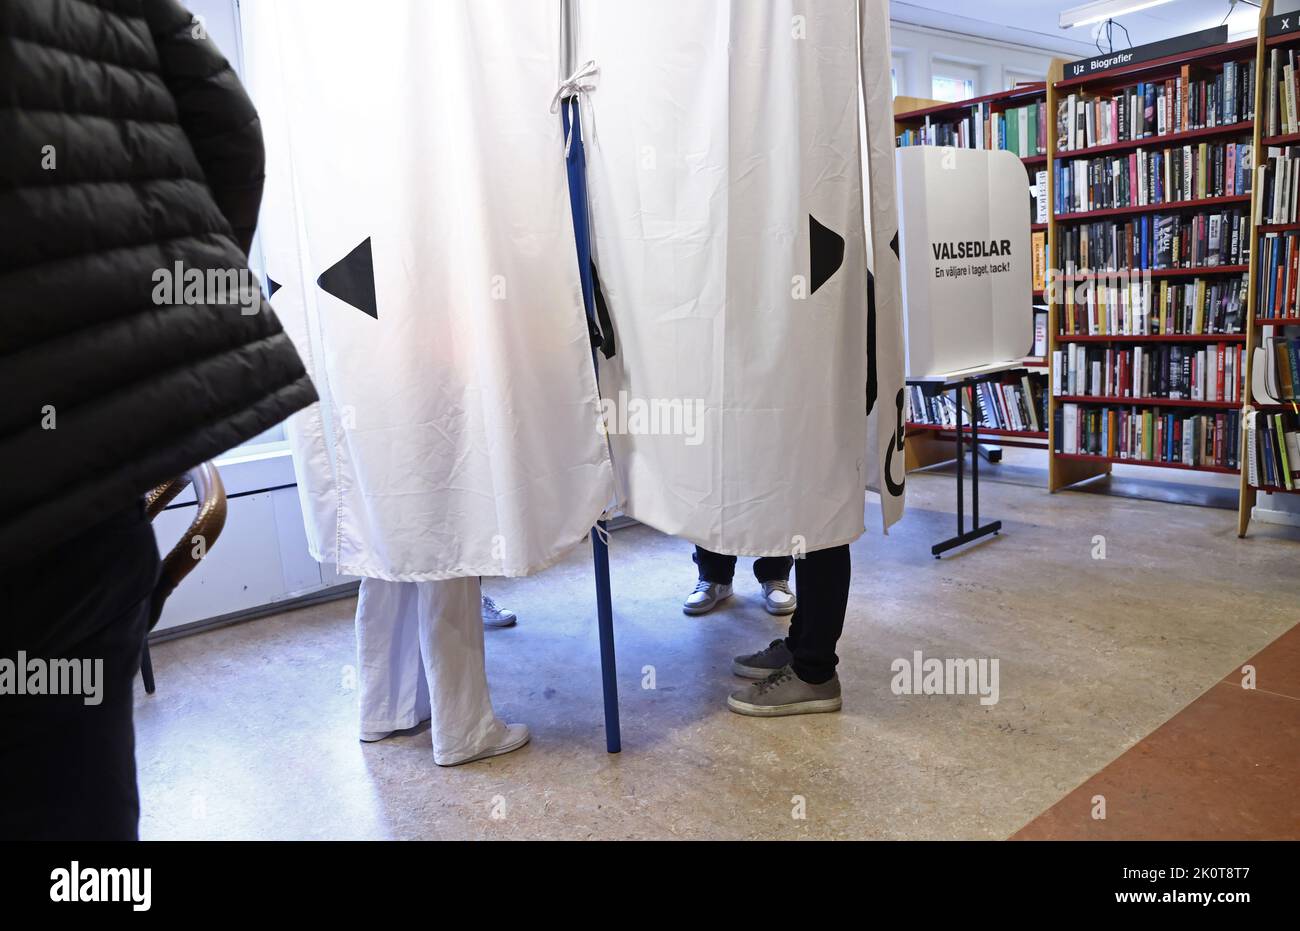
x=352 y=280
x=826 y=248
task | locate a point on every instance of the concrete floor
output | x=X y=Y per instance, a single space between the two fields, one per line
x=252 y=733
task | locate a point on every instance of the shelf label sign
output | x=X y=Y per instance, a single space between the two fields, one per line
x=1119 y=58
x=1281 y=24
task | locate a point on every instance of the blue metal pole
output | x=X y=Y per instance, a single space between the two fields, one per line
x=605 y=623
x=577 y=171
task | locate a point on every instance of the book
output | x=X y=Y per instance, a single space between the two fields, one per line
x=1017 y=129
x=1038 y=245
x=1010 y=403
x=1180 y=240
x=1273 y=450
x=1145 y=434
x=1278 y=198
x=1150 y=176
x=1219 y=95
x=1213 y=374
x=1278 y=267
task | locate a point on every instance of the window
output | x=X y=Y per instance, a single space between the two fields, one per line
x=953 y=81
x=896 y=73
x=943 y=87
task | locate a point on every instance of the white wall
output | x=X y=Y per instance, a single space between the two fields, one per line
x=921 y=51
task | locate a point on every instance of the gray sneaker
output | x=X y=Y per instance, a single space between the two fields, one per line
x=496 y=616
x=778 y=599
x=784 y=693
x=762 y=664
x=706 y=597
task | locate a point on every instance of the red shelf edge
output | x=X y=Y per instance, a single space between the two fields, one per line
x=1147 y=402
x=1115 y=460
x=1168 y=138
x=1170 y=206
x=1159 y=273
x=1151 y=338
x=984 y=431
x=1283 y=139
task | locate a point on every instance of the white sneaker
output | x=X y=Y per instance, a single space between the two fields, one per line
x=373 y=737
x=706 y=597
x=516 y=736
x=778 y=599
x=496 y=616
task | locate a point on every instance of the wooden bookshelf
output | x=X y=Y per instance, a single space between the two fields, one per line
x=1255 y=324
x=929 y=443
x=1061 y=471
x=1069 y=469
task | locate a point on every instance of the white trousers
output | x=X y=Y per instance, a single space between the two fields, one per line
x=420 y=651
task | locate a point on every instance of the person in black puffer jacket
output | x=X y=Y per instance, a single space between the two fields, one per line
x=128 y=153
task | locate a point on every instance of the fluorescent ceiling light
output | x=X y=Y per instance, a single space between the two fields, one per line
x=1105 y=9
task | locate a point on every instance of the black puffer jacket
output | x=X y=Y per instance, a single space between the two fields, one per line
x=126 y=146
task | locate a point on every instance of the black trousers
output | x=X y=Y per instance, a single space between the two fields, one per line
x=822 y=580
x=67 y=767
x=715 y=567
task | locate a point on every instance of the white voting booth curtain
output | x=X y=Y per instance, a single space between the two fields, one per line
x=418 y=236
x=417 y=226
x=726 y=164
x=887 y=397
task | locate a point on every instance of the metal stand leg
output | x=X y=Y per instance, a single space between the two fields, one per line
x=976 y=532
x=961 y=471
x=974 y=468
x=605 y=623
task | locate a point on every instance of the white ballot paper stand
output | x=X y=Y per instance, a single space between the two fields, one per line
x=965 y=250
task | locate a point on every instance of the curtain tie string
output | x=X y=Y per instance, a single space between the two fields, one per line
x=574 y=90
